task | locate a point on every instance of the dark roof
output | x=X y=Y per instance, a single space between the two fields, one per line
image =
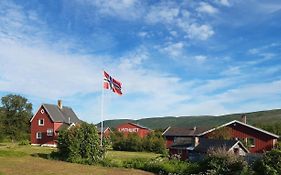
x=140 y=126
x=206 y=144
x=182 y=142
x=172 y=131
x=61 y=115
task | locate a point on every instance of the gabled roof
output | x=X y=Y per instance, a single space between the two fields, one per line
x=241 y=123
x=104 y=129
x=183 y=132
x=64 y=115
x=137 y=125
x=207 y=144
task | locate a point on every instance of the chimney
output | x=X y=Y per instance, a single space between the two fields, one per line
x=244 y=118
x=68 y=120
x=194 y=128
x=60 y=104
x=196 y=141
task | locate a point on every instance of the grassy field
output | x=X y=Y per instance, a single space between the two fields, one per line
x=27 y=160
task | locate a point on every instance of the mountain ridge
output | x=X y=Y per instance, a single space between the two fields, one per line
x=254 y=118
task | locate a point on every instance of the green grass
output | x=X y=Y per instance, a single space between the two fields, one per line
x=24 y=160
x=125 y=155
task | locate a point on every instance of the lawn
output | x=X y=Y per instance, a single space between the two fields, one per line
x=26 y=160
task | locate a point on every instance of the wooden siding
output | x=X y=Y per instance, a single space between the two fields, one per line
x=263 y=142
x=48 y=124
x=130 y=128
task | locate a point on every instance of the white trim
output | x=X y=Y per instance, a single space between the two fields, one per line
x=166 y=130
x=35 y=113
x=50 y=134
x=39 y=123
x=244 y=124
x=49 y=145
x=238 y=142
x=37 y=135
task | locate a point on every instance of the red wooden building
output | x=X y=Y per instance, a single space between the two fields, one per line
x=133 y=128
x=106 y=132
x=48 y=121
x=258 y=140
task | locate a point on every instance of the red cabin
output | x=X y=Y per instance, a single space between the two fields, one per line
x=106 y=132
x=133 y=128
x=48 y=121
x=258 y=140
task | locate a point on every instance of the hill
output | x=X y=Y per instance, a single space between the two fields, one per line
x=253 y=118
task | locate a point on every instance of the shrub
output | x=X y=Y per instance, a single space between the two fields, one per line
x=80 y=144
x=24 y=142
x=270 y=164
x=220 y=161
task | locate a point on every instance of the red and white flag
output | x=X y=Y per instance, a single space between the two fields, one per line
x=111 y=83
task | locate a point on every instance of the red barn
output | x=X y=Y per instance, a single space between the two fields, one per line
x=48 y=121
x=106 y=132
x=133 y=128
x=258 y=140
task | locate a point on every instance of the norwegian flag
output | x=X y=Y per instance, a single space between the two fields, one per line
x=111 y=83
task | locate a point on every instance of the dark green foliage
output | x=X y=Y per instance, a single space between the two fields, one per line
x=15 y=114
x=220 y=161
x=162 y=166
x=154 y=142
x=253 y=118
x=270 y=164
x=80 y=144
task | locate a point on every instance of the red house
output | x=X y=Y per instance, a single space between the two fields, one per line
x=133 y=128
x=48 y=121
x=258 y=140
x=106 y=132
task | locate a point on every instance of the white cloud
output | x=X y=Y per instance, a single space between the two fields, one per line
x=125 y=9
x=173 y=49
x=162 y=13
x=224 y=2
x=200 y=59
x=206 y=8
x=202 y=32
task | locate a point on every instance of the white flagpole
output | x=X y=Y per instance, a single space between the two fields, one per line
x=102 y=101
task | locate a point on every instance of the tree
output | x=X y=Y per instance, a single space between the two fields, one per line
x=80 y=144
x=16 y=113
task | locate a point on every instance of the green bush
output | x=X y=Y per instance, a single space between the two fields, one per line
x=80 y=144
x=132 y=142
x=270 y=164
x=220 y=161
x=24 y=142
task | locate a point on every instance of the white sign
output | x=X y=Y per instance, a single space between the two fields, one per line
x=128 y=129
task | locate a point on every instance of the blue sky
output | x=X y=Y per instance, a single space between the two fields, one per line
x=172 y=57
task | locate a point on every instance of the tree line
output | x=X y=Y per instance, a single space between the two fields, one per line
x=15 y=114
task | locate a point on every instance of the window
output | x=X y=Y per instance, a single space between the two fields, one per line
x=41 y=122
x=39 y=135
x=251 y=142
x=49 y=132
x=42 y=111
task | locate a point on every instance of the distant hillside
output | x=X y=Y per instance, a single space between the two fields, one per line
x=253 y=118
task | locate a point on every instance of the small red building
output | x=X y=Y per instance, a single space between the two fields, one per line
x=133 y=128
x=48 y=121
x=106 y=132
x=257 y=140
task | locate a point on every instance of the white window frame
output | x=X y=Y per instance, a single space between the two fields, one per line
x=39 y=123
x=38 y=135
x=42 y=111
x=253 y=142
x=50 y=132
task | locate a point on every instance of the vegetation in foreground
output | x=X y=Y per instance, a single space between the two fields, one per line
x=30 y=160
